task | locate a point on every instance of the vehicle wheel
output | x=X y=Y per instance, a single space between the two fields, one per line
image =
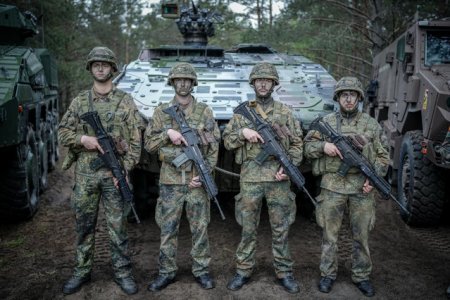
x=51 y=146
x=19 y=181
x=420 y=186
x=43 y=158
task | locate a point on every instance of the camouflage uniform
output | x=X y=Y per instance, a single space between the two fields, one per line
x=120 y=118
x=339 y=192
x=174 y=189
x=258 y=181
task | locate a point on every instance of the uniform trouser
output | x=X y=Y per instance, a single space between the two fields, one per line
x=282 y=210
x=329 y=214
x=86 y=195
x=169 y=209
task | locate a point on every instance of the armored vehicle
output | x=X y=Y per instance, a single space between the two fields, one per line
x=222 y=81
x=28 y=116
x=410 y=96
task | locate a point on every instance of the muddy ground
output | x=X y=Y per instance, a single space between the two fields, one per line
x=37 y=256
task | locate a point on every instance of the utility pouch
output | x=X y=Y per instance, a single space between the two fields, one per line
x=180 y=160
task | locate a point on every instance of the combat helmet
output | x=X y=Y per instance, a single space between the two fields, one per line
x=264 y=70
x=102 y=54
x=182 y=70
x=348 y=84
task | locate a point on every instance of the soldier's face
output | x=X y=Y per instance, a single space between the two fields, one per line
x=348 y=100
x=101 y=71
x=182 y=86
x=263 y=87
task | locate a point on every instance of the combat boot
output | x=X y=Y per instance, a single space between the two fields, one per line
x=366 y=288
x=127 y=284
x=161 y=282
x=74 y=284
x=326 y=284
x=289 y=284
x=205 y=281
x=237 y=282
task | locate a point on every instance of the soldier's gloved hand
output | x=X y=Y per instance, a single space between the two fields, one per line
x=195 y=182
x=91 y=143
x=330 y=149
x=176 y=137
x=252 y=136
x=367 y=188
x=280 y=176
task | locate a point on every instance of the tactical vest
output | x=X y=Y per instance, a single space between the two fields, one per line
x=329 y=164
x=111 y=117
x=169 y=152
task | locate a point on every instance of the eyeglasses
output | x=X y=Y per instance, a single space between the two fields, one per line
x=348 y=95
x=99 y=65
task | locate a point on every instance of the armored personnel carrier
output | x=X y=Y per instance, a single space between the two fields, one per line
x=28 y=116
x=410 y=96
x=222 y=80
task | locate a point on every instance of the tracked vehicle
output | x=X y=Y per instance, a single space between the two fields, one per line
x=222 y=83
x=410 y=96
x=28 y=116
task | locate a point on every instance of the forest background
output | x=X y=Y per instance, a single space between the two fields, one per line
x=342 y=35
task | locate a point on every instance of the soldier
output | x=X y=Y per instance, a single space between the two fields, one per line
x=119 y=116
x=352 y=191
x=182 y=185
x=264 y=181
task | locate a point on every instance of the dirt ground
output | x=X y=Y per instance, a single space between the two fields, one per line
x=37 y=256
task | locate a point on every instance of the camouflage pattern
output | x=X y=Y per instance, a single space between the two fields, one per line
x=278 y=115
x=120 y=118
x=258 y=182
x=340 y=193
x=101 y=54
x=329 y=215
x=348 y=84
x=264 y=71
x=169 y=209
x=182 y=70
x=282 y=209
x=200 y=117
x=375 y=151
x=174 y=189
x=86 y=195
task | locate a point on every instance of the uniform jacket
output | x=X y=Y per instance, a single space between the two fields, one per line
x=289 y=133
x=375 y=150
x=119 y=117
x=199 y=116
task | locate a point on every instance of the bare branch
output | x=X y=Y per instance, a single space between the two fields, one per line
x=354 y=25
x=357 y=12
x=345 y=68
x=342 y=54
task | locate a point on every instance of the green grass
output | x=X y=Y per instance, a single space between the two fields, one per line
x=17 y=242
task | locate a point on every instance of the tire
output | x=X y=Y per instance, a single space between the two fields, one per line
x=51 y=146
x=43 y=158
x=420 y=186
x=19 y=181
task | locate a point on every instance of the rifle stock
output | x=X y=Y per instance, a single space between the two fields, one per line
x=110 y=158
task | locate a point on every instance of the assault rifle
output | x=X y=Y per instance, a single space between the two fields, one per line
x=192 y=152
x=352 y=157
x=109 y=157
x=271 y=146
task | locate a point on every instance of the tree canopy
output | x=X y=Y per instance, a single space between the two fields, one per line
x=342 y=35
